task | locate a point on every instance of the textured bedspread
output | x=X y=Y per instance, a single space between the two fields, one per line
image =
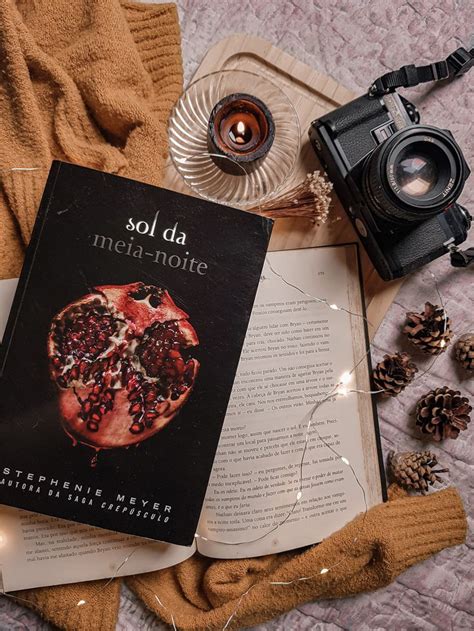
x=356 y=42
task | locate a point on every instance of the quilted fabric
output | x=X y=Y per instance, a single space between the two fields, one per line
x=356 y=42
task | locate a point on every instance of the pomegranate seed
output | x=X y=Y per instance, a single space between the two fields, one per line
x=96 y=417
x=92 y=426
x=132 y=384
x=137 y=428
x=135 y=408
x=87 y=407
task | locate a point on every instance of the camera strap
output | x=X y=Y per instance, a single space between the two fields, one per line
x=461 y=258
x=455 y=65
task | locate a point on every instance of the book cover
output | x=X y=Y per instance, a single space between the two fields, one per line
x=121 y=350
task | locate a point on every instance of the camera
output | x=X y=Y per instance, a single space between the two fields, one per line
x=397 y=179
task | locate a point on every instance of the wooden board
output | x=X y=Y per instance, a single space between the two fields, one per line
x=312 y=94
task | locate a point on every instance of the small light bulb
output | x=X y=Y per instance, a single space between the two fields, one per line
x=344 y=460
x=346 y=377
x=81 y=602
x=334 y=306
x=325 y=570
x=299 y=495
x=442 y=343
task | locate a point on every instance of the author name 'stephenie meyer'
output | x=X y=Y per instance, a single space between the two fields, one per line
x=29 y=482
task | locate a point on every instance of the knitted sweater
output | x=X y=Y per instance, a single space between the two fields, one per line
x=92 y=82
x=86 y=82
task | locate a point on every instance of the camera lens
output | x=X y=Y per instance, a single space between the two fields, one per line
x=414 y=175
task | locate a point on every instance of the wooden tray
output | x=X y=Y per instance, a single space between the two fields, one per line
x=312 y=94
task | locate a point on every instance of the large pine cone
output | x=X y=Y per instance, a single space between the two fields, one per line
x=394 y=373
x=415 y=470
x=464 y=349
x=443 y=413
x=430 y=331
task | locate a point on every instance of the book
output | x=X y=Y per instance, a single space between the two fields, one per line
x=295 y=350
x=120 y=352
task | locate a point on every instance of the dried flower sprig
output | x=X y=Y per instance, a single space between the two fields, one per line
x=310 y=198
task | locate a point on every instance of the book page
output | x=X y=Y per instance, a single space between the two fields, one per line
x=37 y=550
x=295 y=351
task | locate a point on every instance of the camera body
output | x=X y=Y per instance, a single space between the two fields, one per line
x=398 y=180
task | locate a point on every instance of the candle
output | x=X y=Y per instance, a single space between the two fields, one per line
x=240 y=133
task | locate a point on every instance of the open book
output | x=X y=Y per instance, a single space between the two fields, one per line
x=262 y=497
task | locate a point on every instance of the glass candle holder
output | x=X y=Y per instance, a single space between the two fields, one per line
x=242 y=183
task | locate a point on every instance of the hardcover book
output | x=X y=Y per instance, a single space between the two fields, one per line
x=121 y=351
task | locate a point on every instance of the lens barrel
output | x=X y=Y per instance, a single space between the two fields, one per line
x=414 y=175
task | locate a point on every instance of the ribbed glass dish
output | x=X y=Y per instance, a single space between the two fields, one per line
x=189 y=151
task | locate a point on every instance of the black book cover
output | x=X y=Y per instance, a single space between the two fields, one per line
x=121 y=351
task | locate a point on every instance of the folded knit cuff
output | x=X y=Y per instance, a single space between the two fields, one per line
x=424 y=527
x=156 y=33
x=23 y=187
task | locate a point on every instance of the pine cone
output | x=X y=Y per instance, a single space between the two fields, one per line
x=415 y=470
x=464 y=350
x=430 y=330
x=443 y=413
x=394 y=373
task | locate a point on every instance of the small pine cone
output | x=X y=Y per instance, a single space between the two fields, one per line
x=415 y=470
x=464 y=350
x=394 y=373
x=430 y=331
x=443 y=413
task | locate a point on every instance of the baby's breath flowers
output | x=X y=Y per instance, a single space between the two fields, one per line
x=310 y=198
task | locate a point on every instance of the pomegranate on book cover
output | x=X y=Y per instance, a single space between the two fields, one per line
x=120 y=352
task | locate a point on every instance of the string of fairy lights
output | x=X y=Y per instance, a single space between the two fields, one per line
x=341 y=388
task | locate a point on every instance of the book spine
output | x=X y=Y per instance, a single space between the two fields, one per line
x=28 y=262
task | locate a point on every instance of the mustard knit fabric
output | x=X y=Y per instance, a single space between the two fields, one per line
x=92 y=82
x=202 y=594
x=85 y=81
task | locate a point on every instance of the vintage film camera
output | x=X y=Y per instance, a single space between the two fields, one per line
x=398 y=180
